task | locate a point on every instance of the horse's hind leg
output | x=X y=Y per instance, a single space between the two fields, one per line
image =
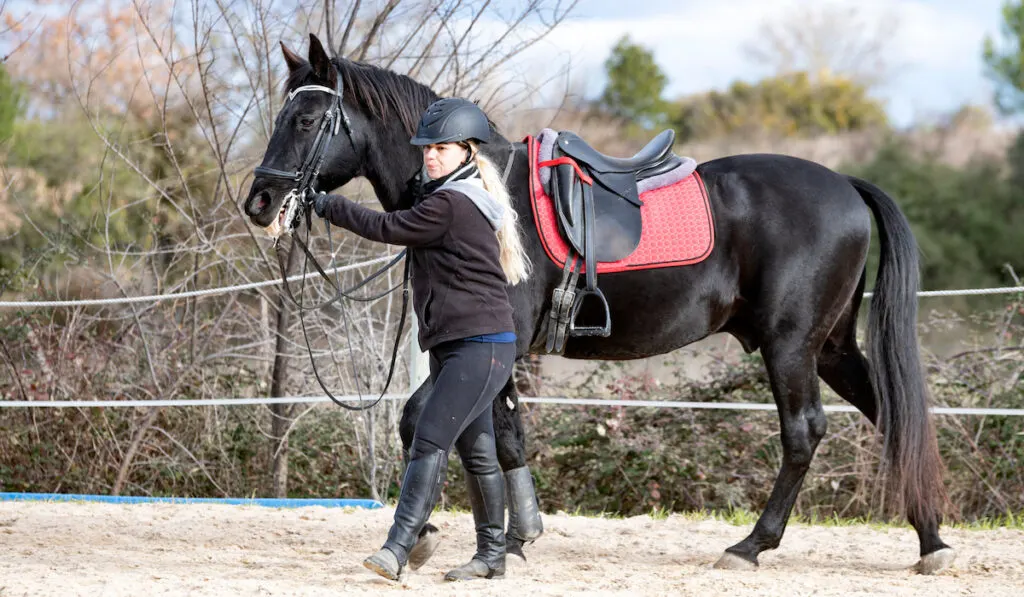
x=524 y=522
x=794 y=382
x=843 y=367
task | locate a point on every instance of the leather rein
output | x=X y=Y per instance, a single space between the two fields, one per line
x=300 y=208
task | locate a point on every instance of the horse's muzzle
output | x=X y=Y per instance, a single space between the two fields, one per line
x=264 y=203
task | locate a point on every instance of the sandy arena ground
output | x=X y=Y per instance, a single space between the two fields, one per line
x=161 y=549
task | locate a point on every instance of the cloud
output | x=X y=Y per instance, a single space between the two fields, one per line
x=937 y=51
x=936 y=48
x=696 y=51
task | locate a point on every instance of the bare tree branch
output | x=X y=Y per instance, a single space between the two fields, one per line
x=826 y=39
x=16 y=26
x=329 y=26
x=378 y=22
x=349 y=26
x=425 y=54
x=455 y=49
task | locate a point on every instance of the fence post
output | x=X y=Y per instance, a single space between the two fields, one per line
x=419 y=362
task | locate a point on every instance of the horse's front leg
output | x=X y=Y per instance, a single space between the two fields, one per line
x=429 y=534
x=411 y=414
x=524 y=523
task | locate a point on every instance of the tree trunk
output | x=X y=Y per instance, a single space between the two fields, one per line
x=133 y=449
x=281 y=414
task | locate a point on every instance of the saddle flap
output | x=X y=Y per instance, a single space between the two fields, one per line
x=614 y=221
x=568 y=200
x=617 y=225
x=620 y=184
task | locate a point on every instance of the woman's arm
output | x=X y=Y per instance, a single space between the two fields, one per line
x=426 y=222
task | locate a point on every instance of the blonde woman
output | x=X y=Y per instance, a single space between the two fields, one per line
x=464 y=250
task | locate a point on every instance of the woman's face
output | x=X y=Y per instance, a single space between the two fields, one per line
x=443 y=158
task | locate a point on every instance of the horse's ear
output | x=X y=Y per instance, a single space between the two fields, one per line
x=293 y=60
x=322 y=67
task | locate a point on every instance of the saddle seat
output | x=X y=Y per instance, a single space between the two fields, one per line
x=651 y=155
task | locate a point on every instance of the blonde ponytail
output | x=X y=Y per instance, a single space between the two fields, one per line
x=514 y=260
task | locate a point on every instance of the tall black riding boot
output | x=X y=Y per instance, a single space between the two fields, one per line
x=414 y=506
x=487 y=497
x=429 y=537
x=524 y=522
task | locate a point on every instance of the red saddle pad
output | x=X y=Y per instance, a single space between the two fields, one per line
x=677 y=225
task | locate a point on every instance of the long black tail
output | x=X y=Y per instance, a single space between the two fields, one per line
x=910 y=453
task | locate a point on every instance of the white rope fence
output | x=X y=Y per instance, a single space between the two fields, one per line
x=839 y=408
x=355 y=399
x=180 y=295
x=967 y=291
x=250 y=286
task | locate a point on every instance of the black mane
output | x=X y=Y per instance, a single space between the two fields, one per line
x=375 y=90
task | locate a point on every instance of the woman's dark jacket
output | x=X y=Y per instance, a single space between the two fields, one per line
x=458 y=285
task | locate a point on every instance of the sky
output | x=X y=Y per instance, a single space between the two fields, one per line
x=699 y=44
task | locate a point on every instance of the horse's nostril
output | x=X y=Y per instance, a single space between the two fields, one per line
x=258 y=204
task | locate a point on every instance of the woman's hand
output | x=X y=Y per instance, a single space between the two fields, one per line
x=320 y=201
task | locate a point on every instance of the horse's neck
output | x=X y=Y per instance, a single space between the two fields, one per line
x=388 y=192
x=391 y=166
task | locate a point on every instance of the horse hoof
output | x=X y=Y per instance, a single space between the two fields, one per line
x=937 y=561
x=424 y=548
x=514 y=547
x=730 y=561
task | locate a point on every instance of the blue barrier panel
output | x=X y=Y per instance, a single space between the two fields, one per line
x=128 y=499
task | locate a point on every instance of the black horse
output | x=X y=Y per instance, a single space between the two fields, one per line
x=786 y=276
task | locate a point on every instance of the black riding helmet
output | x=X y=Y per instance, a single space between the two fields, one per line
x=451 y=120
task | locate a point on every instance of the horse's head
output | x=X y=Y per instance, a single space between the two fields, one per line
x=315 y=119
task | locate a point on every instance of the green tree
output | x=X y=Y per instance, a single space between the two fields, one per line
x=635 y=84
x=787 y=105
x=72 y=189
x=1004 y=62
x=11 y=104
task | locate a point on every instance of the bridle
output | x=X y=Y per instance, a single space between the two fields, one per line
x=334 y=118
x=299 y=208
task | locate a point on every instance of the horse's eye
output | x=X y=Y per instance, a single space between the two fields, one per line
x=307 y=122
